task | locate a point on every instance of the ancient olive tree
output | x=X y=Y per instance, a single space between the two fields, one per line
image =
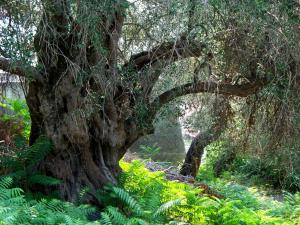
x=88 y=92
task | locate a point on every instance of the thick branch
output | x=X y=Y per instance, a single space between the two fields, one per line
x=17 y=68
x=152 y=62
x=171 y=51
x=208 y=87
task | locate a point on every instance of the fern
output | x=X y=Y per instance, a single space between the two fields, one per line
x=166 y=206
x=148 y=210
x=136 y=221
x=116 y=216
x=42 y=179
x=6 y=182
x=15 y=209
x=25 y=159
x=129 y=200
x=105 y=219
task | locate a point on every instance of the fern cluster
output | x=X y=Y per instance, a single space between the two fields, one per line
x=194 y=208
x=16 y=209
x=134 y=212
x=22 y=160
x=147 y=198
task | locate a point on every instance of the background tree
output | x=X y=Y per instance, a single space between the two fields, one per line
x=221 y=114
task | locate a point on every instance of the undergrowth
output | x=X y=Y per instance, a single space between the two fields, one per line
x=145 y=197
x=19 y=162
x=19 y=117
x=270 y=205
x=16 y=209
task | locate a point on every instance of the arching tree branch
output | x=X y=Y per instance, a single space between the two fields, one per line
x=242 y=90
x=171 y=51
x=151 y=63
x=17 y=68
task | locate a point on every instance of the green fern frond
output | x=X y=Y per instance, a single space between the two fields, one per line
x=166 y=206
x=129 y=200
x=105 y=219
x=82 y=194
x=137 y=221
x=38 y=151
x=43 y=179
x=152 y=198
x=20 y=200
x=15 y=192
x=17 y=174
x=6 y=182
x=54 y=205
x=116 y=216
x=15 y=163
x=4 y=195
x=86 y=209
x=68 y=220
x=177 y=223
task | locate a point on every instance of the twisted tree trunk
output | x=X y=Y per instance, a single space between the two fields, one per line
x=87 y=142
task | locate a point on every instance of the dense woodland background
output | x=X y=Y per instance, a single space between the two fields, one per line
x=205 y=94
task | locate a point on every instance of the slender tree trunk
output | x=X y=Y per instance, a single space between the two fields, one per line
x=194 y=155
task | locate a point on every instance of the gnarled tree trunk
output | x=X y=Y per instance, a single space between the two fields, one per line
x=88 y=142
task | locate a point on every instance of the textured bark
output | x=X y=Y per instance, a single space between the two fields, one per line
x=87 y=142
x=89 y=136
x=221 y=115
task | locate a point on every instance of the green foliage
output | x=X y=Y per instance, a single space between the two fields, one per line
x=20 y=114
x=16 y=210
x=148 y=210
x=23 y=159
x=252 y=199
x=149 y=152
x=145 y=197
x=151 y=189
x=279 y=169
x=268 y=170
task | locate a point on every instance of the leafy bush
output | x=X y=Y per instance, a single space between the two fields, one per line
x=266 y=207
x=270 y=170
x=280 y=169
